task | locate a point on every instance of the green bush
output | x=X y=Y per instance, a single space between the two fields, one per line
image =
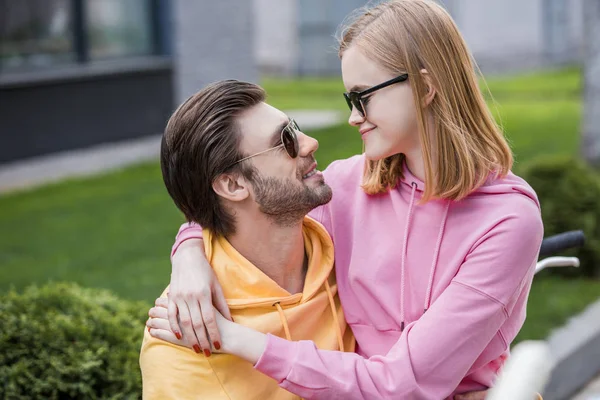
x=569 y=193
x=62 y=341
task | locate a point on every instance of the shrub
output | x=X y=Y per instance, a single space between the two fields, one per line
x=62 y=341
x=569 y=194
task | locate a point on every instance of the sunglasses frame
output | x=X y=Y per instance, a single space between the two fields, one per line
x=354 y=99
x=290 y=129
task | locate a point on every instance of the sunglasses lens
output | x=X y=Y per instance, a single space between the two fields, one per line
x=354 y=101
x=348 y=101
x=290 y=140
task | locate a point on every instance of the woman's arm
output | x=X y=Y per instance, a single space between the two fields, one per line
x=193 y=290
x=434 y=353
x=239 y=340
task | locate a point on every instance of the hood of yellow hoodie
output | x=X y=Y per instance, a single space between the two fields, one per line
x=246 y=286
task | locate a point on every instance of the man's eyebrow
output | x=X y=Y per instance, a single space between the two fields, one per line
x=276 y=135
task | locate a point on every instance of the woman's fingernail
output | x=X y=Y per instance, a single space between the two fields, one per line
x=178 y=335
x=207 y=352
x=197 y=348
x=217 y=345
x=148 y=329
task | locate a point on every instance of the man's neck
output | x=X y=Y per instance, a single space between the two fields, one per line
x=277 y=251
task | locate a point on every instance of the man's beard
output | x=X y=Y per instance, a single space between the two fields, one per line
x=288 y=200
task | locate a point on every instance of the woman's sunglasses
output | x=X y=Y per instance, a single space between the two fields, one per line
x=355 y=99
x=289 y=141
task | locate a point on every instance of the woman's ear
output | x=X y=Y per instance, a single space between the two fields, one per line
x=232 y=187
x=429 y=88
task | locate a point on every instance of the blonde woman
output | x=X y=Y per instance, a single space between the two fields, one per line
x=435 y=239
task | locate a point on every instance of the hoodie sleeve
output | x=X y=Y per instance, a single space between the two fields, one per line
x=188 y=230
x=476 y=312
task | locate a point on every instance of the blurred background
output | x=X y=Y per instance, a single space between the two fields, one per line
x=86 y=88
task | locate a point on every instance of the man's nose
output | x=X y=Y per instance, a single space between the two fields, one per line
x=307 y=144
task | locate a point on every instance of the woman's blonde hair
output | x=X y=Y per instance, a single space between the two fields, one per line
x=466 y=145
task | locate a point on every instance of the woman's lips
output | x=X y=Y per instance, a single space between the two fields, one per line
x=363 y=132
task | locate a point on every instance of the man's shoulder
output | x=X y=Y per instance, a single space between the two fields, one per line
x=174 y=371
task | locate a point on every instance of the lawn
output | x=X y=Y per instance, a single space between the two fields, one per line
x=115 y=230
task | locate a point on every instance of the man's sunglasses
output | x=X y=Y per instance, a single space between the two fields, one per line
x=355 y=99
x=289 y=141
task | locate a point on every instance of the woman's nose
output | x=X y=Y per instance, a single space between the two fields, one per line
x=355 y=118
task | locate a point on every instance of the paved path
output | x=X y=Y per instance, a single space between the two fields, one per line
x=51 y=168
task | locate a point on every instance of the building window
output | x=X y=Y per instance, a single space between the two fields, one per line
x=38 y=34
x=118 y=28
x=35 y=33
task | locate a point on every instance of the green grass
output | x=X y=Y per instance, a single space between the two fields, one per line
x=306 y=93
x=548 y=85
x=552 y=301
x=112 y=231
x=536 y=128
x=115 y=230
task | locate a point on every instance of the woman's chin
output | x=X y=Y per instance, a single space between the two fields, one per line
x=377 y=154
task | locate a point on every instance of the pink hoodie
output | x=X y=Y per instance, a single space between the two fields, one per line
x=434 y=293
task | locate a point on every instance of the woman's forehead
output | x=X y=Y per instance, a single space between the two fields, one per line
x=359 y=72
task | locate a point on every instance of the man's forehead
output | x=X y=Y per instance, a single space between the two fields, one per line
x=263 y=112
x=259 y=123
x=261 y=119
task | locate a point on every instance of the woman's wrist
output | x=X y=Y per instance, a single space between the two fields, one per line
x=190 y=248
x=242 y=341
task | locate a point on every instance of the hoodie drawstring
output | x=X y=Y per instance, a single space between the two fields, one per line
x=336 y=321
x=404 y=248
x=284 y=321
x=435 y=258
x=433 y=263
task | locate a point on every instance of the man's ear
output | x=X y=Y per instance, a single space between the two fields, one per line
x=233 y=187
x=430 y=89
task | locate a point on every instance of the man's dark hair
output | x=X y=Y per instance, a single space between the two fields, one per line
x=201 y=142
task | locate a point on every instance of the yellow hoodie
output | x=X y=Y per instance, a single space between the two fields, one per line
x=256 y=301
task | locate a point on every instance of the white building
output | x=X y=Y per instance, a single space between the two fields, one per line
x=296 y=37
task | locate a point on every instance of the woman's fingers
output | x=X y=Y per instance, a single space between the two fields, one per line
x=165 y=335
x=172 y=316
x=185 y=321
x=197 y=323
x=210 y=322
x=158 y=323
x=162 y=302
x=159 y=312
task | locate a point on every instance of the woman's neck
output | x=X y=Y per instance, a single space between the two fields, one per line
x=415 y=164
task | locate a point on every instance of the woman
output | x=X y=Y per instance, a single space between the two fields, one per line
x=436 y=240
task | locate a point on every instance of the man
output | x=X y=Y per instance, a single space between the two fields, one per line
x=244 y=171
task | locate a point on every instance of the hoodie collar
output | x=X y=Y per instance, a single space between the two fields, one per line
x=409 y=179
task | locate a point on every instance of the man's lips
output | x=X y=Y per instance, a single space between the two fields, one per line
x=312 y=168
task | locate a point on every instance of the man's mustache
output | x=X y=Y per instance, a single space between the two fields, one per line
x=305 y=165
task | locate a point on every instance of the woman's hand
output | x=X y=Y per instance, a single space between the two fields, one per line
x=193 y=291
x=159 y=326
x=238 y=340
